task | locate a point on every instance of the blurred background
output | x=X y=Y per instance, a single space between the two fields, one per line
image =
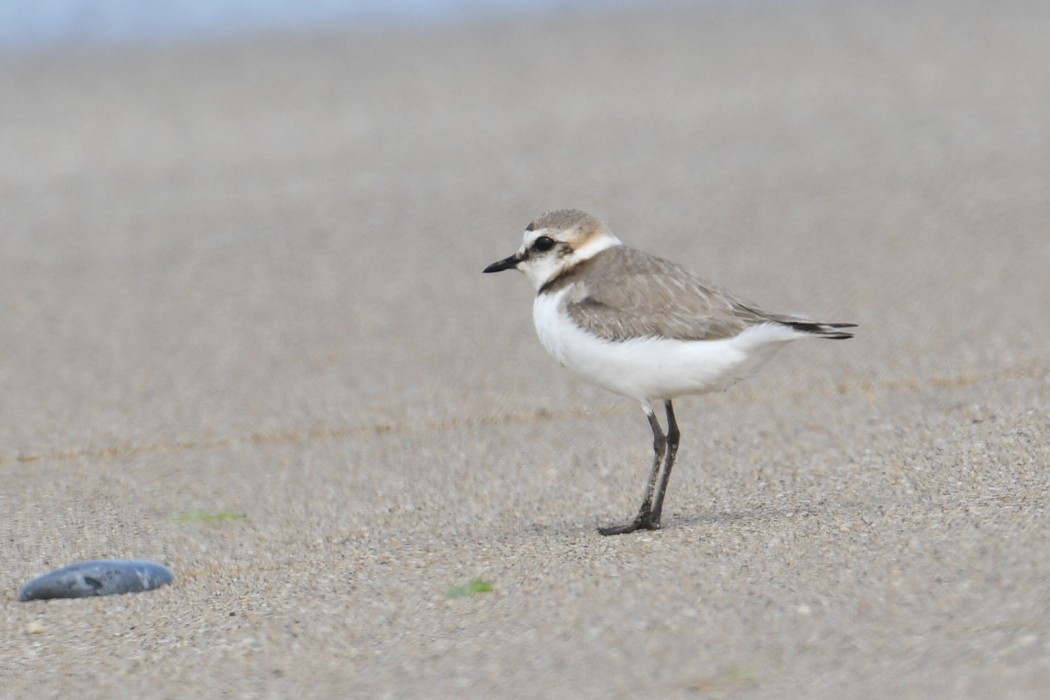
x=263 y=197
x=27 y=24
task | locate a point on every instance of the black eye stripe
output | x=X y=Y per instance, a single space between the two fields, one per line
x=543 y=244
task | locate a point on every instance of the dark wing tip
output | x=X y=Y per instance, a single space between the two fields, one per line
x=823 y=330
x=838 y=335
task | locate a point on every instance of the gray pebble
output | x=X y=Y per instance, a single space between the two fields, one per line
x=99 y=577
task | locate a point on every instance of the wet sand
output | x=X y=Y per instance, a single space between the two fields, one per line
x=244 y=278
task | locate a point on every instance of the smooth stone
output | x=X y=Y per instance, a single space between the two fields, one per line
x=98 y=577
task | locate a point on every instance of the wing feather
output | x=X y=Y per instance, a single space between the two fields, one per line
x=628 y=294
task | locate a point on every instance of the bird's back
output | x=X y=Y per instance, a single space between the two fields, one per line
x=624 y=293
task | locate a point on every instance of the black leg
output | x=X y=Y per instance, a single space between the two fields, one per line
x=672 y=450
x=644 y=520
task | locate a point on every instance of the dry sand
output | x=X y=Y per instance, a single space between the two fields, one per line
x=245 y=276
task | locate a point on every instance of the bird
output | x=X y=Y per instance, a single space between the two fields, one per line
x=643 y=327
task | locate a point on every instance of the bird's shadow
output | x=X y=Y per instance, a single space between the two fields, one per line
x=746 y=515
x=698 y=519
x=777 y=513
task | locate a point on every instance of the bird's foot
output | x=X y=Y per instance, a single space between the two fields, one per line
x=642 y=521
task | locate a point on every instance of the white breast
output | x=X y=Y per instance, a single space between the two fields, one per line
x=654 y=368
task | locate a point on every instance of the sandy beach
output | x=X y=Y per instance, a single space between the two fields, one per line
x=244 y=333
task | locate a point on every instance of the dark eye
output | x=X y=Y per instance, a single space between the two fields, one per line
x=543 y=244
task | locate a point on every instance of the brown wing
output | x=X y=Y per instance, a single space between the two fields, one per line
x=628 y=293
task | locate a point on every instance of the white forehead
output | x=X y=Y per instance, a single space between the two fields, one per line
x=530 y=236
x=583 y=244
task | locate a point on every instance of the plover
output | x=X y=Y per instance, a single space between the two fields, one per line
x=643 y=327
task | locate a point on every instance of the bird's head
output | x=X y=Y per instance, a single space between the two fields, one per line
x=556 y=242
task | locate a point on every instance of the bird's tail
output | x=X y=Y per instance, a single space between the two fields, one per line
x=828 y=331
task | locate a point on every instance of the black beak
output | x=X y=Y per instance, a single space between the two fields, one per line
x=508 y=263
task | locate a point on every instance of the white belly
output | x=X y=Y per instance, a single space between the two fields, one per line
x=654 y=368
